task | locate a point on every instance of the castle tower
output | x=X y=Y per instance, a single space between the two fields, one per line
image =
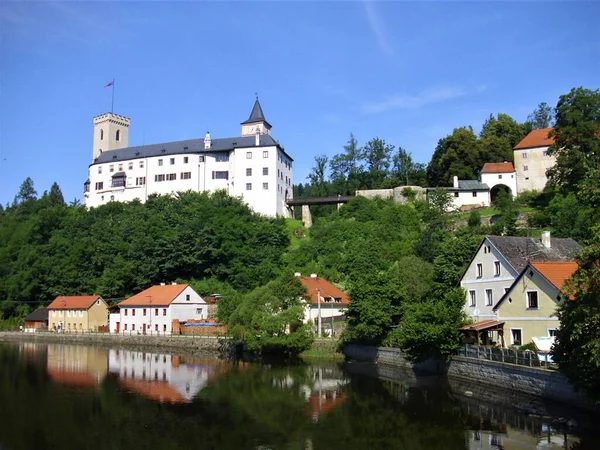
x=111 y=132
x=255 y=122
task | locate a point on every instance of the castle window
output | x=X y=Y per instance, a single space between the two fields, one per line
x=474 y=193
x=171 y=176
x=140 y=181
x=111 y=168
x=172 y=161
x=248 y=155
x=118 y=182
x=141 y=164
x=118 y=135
x=525 y=168
x=499 y=177
x=100 y=185
x=130 y=166
x=265 y=186
x=160 y=162
x=186 y=175
x=185 y=159
x=100 y=170
x=248 y=186
x=160 y=177
x=524 y=155
x=112 y=198
x=120 y=167
x=101 y=135
x=266 y=154
x=220 y=175
x=248 y=172
x=222 y=158
x=265 y=171
x=86 y=186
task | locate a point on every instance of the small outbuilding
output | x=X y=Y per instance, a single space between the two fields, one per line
x=36 y=321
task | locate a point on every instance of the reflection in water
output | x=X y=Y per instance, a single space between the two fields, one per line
x=163 y=377
x=77 y=397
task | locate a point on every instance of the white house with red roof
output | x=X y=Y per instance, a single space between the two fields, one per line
x=324 y=299
x=154 y=309
x=532 y=160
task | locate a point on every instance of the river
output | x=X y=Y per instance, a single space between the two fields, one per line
x=59 y=396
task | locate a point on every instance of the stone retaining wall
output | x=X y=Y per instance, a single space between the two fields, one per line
x=533 y=381
x=204 y=344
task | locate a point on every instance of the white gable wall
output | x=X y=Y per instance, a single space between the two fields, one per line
x=489 y=280
x=183 y=309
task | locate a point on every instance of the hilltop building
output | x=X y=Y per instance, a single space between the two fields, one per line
x=253 y=166
x=532 y=160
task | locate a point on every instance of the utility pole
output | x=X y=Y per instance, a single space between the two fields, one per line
x=319 y=312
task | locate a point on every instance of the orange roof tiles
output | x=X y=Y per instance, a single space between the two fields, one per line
x=556 y=273
x=154 y=390
x=328 y=290
x=73 y=302
x=159 y=295
x=536 y=138
x=483 y=325
x=502 y=167
x=81 y=379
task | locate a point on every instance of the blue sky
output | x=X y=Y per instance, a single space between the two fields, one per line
x=404 y=71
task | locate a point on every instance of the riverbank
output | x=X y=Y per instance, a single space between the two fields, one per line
x=218 y=346
x=323 y=349
x=483 y=374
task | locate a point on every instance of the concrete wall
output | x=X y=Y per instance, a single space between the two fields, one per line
x=388 y=355
x=537 y=162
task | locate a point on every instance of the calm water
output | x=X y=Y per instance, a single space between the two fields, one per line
x=55 y=396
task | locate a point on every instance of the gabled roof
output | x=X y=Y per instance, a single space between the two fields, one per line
x=536 y=138
x=39 y=315
x=159 y=295
x=186 y=147
x=256 y=115
x=518 y=251
x=73 y=302
x=555 y=272
x=472 y=185
x=503 y=167
x=483 y=325
x=328 y=290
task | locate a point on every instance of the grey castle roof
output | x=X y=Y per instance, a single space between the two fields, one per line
x=518 y=251
x=119 y=175
x=189 y=146
x=472 y=185
x=38 y=315
x=257 y=115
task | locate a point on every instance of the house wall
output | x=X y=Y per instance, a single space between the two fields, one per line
x=194 y=308
x=515 y=313
x=97 y=315
x=327 y=310
x=508 y=179
x=487 y=254
x=113 y=318
x=534 y=178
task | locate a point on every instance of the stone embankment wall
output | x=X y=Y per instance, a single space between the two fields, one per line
x=205 y=344
x=534 y=381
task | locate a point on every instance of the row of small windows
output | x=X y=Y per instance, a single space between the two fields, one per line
x=70 y=313
x=532 y=298
x=265 y=171
x=144 y=311
x=285 y=162
x=172 y=176
x=186 y=160
x=265 y=186
x=117 y=135
x=456 y=194
x=496 y=269
x=147 y=328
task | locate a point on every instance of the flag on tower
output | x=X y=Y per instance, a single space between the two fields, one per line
x=110 y=84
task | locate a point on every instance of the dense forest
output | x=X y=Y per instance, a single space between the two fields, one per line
x=400 y=263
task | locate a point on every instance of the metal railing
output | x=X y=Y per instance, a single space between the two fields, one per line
x=504 y=355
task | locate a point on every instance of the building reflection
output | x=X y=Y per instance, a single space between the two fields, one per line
x=325 y=393
x=76 y=365
x=163 y=377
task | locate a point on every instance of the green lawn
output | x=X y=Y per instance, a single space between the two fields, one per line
x=293 y=226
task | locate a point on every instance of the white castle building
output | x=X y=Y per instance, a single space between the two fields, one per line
x=253 y=166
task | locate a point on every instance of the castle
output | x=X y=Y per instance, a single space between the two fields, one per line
x=253 y=166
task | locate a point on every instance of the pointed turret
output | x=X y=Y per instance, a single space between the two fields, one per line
x=256 y=121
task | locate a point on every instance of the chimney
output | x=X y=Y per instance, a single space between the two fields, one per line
x=313 y=275
x=207 y=141
x=297 y=274
x=455 y=183
x=546 y=239
x=257 y=137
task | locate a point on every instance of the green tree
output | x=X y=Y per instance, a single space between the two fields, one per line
x=576 y=138
x=270 y=318
x=541 y=117
x=26 y=193
x=505 y=127
x=506 y=222
x=474 y=219
x=455 y=155
x=376 y=154
x=577 y=347
x=318 y=173
x=56 y=196
x=344 y=166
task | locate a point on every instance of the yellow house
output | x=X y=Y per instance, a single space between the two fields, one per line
x=528 y=308
x=77 y=313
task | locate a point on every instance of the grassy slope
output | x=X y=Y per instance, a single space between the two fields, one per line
x=293 y=226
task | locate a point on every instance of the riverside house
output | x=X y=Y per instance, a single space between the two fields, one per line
x=154 y=309
x=528 y=309
x=498 y=262
x=81 y=313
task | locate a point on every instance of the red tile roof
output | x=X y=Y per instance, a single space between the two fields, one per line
x=154 y=390
x=502 y=167
x=328 y=290
x=556 y=273
x=536 y=138
x=73 y=302
x=483 y=325
x=81 y=379
x=160 y=295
